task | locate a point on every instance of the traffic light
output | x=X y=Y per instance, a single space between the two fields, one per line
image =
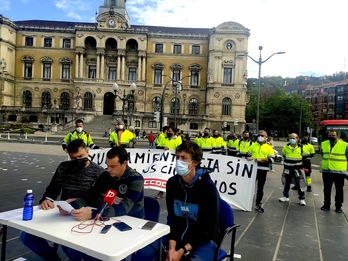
x=156 y=116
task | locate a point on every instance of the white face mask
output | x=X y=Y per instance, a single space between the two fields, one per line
x=120 y=127
x=181 y=168
x=292 y=141
x=79 y=129
x=260 y=139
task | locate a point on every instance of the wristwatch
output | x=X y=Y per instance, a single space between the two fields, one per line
x=186 y=252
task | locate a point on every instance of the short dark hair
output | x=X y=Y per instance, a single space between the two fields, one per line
x=119 y=152
x=78 y=121
x=245 y=131
x=191 y=148
x=74 y=145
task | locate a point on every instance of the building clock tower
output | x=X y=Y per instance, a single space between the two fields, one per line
x=113 y=15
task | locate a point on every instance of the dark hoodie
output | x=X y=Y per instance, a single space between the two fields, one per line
x=193 y=211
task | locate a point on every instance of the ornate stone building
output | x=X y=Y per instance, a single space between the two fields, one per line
x=57 y=71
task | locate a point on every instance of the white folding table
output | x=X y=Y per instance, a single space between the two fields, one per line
x=112 y=246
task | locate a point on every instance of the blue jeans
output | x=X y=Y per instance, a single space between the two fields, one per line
x=39 y=246
x=203 y=253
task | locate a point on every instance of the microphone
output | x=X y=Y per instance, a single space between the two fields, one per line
x=109 y=199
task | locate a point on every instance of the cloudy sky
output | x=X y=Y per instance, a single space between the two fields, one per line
x=313 y=33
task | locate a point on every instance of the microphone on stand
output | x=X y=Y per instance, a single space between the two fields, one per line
x=109 y=199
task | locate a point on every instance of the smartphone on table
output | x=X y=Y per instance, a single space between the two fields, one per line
x=105 y=229
x=122 y=226
x=149 y=225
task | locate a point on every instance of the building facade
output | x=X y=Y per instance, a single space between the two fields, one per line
x=327 y=101
x=56 y=72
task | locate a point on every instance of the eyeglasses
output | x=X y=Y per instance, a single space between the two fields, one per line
x=260 y=135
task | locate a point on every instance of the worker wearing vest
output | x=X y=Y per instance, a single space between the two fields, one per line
x=293 y=169
x=79 y=133
x=198 y=137
x=120 y=137
x=161 y=137
x=232 y=145
x=263 y=154
x=334 y=169
x=307 y=153
x=244 y=145
x=207 y=142
x=170 y=142
x=219 y=143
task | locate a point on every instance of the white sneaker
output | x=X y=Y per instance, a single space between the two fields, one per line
x=302 y=202
x=283 y=199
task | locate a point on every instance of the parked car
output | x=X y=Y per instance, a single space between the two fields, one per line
x=314 y=140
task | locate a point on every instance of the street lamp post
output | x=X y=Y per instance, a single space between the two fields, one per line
x=126 y=97
x=260 y=62
x=178 y=85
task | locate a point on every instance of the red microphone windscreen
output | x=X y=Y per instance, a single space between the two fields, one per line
x=110 y=197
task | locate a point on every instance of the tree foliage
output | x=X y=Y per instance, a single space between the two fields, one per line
x=279 y=112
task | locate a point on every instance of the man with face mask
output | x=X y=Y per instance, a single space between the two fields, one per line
x=79 y=133
x=293 y=169
x=244 y=145
x=232 y=145
x=207 y=142
x=193 y=207
x=121 y=137
x=72 y=179
x=263 y=154
x=334 y=169
x=219 y=143
x=171 y=141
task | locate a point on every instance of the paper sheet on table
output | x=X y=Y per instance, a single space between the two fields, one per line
x=64 y=205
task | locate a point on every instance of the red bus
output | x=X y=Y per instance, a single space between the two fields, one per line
x=341 y=126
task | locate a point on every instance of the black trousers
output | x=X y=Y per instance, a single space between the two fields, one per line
x=261 y=180
x=328 y=180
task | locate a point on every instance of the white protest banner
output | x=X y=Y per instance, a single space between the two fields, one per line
x=234 y=177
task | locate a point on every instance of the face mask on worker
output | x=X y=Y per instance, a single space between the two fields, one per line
x=79 y=129
x=169 y=135
x=181 y=168
x=304 y=141
x=332 y=138
x=120 y=127
x=292 y=141
x=206 y=134
x=245 y=137
x=261 y=139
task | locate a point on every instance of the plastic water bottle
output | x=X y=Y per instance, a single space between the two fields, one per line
x=28 y=205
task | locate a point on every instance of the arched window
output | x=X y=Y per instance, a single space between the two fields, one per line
x=175 y=106
x=226 y=106
x=156 y=104
x=88 y=101
x=64 y=100
x=27 y=99
x=193 y=106
x=46 y=100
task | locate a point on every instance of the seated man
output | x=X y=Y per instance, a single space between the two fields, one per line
x=128 y=184
x=193 y=207
x=72 y=179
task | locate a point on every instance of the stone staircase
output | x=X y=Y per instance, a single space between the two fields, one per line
x=97 y=127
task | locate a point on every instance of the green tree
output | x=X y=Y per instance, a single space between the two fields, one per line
x=279 y=112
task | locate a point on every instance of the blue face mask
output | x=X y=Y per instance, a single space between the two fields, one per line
x=292 y=141
x=181 y=168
